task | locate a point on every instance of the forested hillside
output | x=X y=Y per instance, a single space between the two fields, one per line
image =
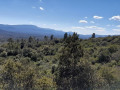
x=69 y=63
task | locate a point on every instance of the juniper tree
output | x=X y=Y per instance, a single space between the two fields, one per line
x=51 y=37
x=93 y=35
x=67 y=68
x=65 y=36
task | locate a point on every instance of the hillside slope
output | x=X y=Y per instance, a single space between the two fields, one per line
x=23 y=31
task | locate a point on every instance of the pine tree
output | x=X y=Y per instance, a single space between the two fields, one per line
x=67 y=68
x=46 y=38
x=65 y=36
x=30 y=39
x=51 y=37
x=93 y=35
x=10 y=43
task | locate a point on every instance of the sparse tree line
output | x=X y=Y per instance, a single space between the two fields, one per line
x=69 y=63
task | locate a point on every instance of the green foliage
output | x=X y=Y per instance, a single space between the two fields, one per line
x=109 y=74
x=51 y=37
x=93 y=35
x=46 y=83
x=67 y=76
x=112 y=49
x=69 y=63
x=65 y=36
x=15 y=76
x=104 y=57
x=3 y=54
x=46 y=38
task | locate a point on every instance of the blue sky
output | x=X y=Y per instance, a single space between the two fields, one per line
x=81 y=16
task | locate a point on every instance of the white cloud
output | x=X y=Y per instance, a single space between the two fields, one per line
x=41 y=8
x=54 y=24
x=118 y=26
x=33 y=7
x=83 y=21
x=89 y=30
x=92 y=22
x=118 y=30
x=86 y=17
x=95 y=28
x=78 y=28
x=91 y=27
x=97 y=17
x=44 y=24
x=40 y=0
x=30 y=22
x=117 y=18
x=108 y=25
x=102 y=30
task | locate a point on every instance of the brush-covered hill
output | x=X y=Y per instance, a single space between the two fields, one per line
x=52 y=64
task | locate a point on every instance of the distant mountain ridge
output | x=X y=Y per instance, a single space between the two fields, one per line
x=30 y=29
x=17 y=31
